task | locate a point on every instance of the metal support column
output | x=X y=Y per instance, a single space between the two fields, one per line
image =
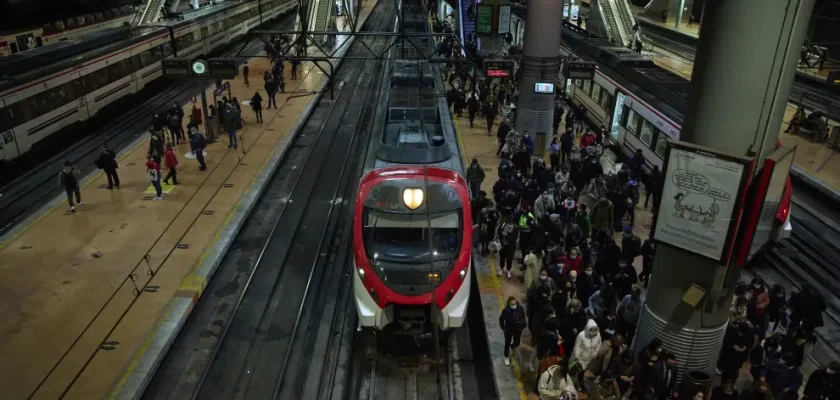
x=540 y=63
x=744 y=69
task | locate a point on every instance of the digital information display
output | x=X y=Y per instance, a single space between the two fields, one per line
x=176 y=68
x=580 y=70
x=498 y=68
x=222 y=68
x=544 y=88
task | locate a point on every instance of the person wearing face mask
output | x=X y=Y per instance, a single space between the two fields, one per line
x=526 y=223
x=759 y=299
x=629 y=312
x=548 y=342
x=573 y=261
x=475 y=175
x=487 y=220
x=624 y=279
x=539 y=298
x=574 y=238
x=512 y=321
x=587 y=344
x=608 y=356
x=537 y=166
x=794 y=343
x=602 y=135
x=760 y=355
x=567 y=210
x=734 y=352
x=783 y=377
x=567 y=140
x=588 y=283
x=582 y=220
x=601 y=301
x=824 y=384
x=544 y=207
x=508 y=233
x=554 y=154
x=777 y=306
x=602 y=219
x=573 y=323
x=567 y=292
x=533 y=264
x=608 y=324
x=562 y=177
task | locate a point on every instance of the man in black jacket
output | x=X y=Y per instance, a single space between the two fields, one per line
x=107 y=162
x=512 y=321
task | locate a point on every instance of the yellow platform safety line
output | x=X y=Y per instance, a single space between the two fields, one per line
x=29 y=226
x=166 y=188
x=494 y=281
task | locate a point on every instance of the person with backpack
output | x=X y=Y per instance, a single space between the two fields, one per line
x=197 y=145
x=70 y=178
x=171 y=162
x=107 y=162
x=153 y=173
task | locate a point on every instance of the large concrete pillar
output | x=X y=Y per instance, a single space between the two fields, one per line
x=745 y=65
x=540 y=62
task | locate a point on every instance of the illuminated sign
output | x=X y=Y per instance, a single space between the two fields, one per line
x=199 y=67
x=498 y=68
x=544 y=88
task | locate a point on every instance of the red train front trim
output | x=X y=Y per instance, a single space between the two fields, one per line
x=454 y=280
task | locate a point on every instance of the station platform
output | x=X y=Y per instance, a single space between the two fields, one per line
x=517 y=380
x=92 y=300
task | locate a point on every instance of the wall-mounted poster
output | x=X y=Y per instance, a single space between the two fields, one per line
x=484 y=19
x=504 y=20
x=702 y=198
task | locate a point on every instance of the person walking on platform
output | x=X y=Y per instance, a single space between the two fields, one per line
x=70 y=178
x=171 y=162
x=230 y=125
x=197 y=145
x=475 y=175
x=472 y=107
x=512 y=321
x=295 y=66
x=256 y=105
x=567 y=142
x=156 y=146
x=107 y=162
x=245 y=71
x=153 y=173
x=490 y=116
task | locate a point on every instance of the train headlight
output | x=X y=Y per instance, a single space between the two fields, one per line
x=413 y=198
x=462 y=274
x=361 y=273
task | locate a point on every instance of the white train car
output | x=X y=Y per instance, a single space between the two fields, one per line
x=45 y=90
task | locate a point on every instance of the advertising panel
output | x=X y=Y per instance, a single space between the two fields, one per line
x=701 y=200
x=504 y=20
x=484 y=19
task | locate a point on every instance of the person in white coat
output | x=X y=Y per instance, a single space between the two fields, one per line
x=587 y=344
x=555 y=383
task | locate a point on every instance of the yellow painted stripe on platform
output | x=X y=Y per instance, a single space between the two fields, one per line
x=493 y=280
x=29 y=226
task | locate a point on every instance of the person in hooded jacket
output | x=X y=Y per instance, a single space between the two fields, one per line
x=107 y=161
x=475 y=176
x=608 y=355
x=629 y=312
x=555 y=383
x=477 y=205
x=573 y=323
x=783 y=377
x=197 y=145
x=806 y=304
x=602 y=218
x=513 y=322
x=587 y=344
x=70 y=179
x=824 y=383
x=574 y=239
x=171 y=162
x=543 y=207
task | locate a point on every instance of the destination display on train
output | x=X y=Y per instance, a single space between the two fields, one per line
x=498 y=68
x=580 y=70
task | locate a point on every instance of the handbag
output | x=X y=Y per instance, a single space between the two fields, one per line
x=495 y=245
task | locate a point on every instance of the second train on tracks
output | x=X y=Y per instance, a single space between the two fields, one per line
x=412 y=228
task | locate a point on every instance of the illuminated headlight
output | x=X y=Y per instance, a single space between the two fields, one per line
x=413 y=198
x=462 y=274
x=361 y=273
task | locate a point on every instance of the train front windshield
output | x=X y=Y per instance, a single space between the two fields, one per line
x=404 y=237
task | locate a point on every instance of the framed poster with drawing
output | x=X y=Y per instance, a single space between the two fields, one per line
x=703 y=192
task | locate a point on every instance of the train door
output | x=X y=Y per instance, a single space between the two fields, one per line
x=11 y=117
x=617 y=114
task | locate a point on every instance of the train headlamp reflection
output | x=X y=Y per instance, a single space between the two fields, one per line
x=413 y=198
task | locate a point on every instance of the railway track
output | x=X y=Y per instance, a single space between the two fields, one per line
x=392 y=366
x=267 y=326
x=810 y=256
x=34 y=183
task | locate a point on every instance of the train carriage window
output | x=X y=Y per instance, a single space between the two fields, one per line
x=633 y=121
x=205 y=32
x=35 y=106
x=166 y=49
x=114 y=72
x=661 y=144
x=579 y=83
x=596 y=93
x=6 y=120
x=606 y=99
x=126 y=66
x=646 y=136
x=587 y=87
x=59 y=96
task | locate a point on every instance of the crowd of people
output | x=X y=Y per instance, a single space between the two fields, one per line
x=556 y=219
